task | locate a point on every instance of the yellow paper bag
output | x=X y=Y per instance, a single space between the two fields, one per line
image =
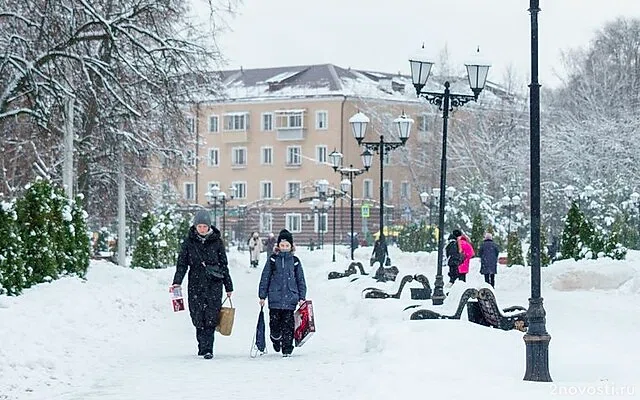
x=225 y=318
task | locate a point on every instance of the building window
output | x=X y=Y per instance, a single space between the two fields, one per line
x=190 y=191
x=236 y=122
x=322 y=120
x=293 y=189
x=321 y=154
x=239 y=156
x=266 y=155
x=423 y=122
x=387 y=159
x=321 y=222
x=290 y=120
x=387 y=190
x=191 y=124
x=266 y=190
x=367 y=188
x=293 y=223
x=294 y=155
x=241 y=189
x=266 y=222
x=214 y=158
x=213 y=124
x=404 y=190
x=190 y=158
x=267 y=122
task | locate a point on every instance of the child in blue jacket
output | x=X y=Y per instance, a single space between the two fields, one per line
x=283 y=284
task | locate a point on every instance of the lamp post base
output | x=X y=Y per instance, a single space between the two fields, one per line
x=537 y=358
x=438 y=296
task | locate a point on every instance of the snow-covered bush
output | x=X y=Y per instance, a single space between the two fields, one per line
x=12 y=267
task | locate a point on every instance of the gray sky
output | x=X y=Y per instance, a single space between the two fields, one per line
x=380 y=35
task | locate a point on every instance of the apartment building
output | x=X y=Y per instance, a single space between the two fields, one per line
x=267 y=140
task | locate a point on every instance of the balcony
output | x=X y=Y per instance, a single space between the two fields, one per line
x=235 y=137
x=289 y=134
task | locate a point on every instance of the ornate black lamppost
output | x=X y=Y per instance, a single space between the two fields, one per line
x=335 y=194
x=348 y=174
x=359 y=124
x=215 y=197
x=536 y=339
x=510 y=203
x=430 y=201
x=446 y=102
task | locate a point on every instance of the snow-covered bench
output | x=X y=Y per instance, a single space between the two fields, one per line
x=451 y=309
x=375 y=293
x=351 y=270
x=514 y=317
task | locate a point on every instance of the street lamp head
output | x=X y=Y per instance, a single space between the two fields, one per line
x=515 y=200
x=233 y=191
x=436 y=192
x=312 y=205
x=345 y=184
x=420 y=69
x=323 y=186
x=477 y=70
x=367 y=158
x=222 y=196
x=635 y=197
x=328 y=203
x=359 y=126
x=450 y=192
x=506 y=201
x=424 y=197
x=336 y=159
x=215 y=190
x=403 y=123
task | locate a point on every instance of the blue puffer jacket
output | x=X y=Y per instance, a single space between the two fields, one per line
x=282 y=281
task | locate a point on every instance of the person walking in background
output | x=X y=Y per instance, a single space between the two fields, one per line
x=255 y=248
x=270 y=244
x=468 y=253
x=380 y=251
x=454 y=256
x=282 y=283
x=489 y=259
x=203 y=255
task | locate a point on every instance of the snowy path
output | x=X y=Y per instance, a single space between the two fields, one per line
x=114 y=337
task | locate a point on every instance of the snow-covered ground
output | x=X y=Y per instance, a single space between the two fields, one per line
x=114 y=336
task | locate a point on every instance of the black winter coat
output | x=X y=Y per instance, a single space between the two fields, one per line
x=204 y=290
x=489 y=257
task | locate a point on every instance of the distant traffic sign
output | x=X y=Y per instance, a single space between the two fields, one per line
x=364 y=210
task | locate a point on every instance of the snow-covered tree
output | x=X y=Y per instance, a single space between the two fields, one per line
x=102 y=243
x=12 y=267
x=39 y=219
x=145 y=254
x=417 y=237
x=477 y=231
x=514 y=250
x=130 y=66
x=81 y=245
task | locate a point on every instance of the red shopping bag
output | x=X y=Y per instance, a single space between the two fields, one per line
x=305 y=324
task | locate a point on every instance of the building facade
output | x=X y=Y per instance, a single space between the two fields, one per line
x=267 y=141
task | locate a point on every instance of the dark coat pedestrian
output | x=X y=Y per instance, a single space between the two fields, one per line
x=283 y=284
x=455 y=257
x=269 y=244
x=380 y=251
x=489 y=259
x=203 y=255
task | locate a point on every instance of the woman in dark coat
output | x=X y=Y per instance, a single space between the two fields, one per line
x=489 y=259
x=203 y=255
x=283 y=284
